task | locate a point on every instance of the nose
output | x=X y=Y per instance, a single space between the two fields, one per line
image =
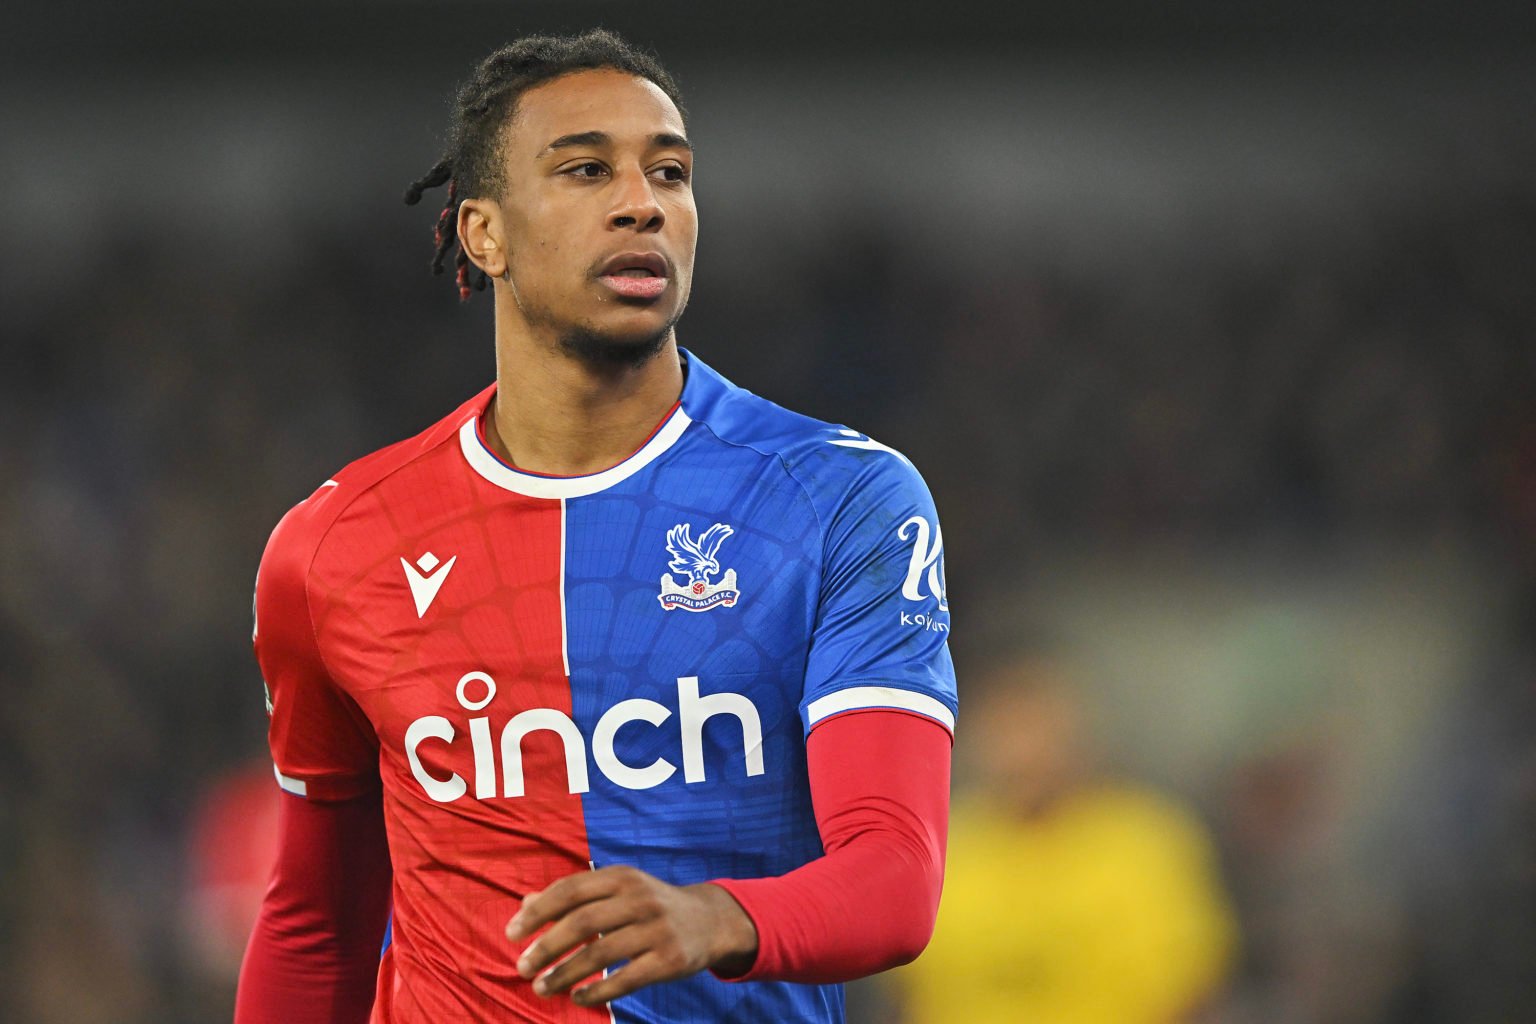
x=635 y=206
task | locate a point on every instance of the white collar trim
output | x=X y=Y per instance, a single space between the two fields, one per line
x=533 y=486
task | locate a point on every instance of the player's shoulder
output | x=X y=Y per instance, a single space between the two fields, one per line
x=299 y=534
x=832 y=461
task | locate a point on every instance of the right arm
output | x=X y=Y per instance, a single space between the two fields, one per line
x=314 y=955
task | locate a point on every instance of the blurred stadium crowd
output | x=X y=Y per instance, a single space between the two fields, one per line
x=1275 y=502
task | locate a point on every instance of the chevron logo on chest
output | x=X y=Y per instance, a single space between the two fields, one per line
x=426 y=578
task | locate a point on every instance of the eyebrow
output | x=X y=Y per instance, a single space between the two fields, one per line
x=661 y=140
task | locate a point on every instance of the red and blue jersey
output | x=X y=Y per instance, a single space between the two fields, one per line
x=546 y=674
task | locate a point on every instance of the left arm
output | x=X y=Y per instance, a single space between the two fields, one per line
x=880 y=786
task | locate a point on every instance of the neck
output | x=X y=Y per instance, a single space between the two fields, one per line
x=563 y=416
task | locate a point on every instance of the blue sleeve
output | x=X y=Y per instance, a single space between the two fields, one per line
x=882 y=625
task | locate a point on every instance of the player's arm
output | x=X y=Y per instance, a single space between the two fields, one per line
x=879 y=710
x=880 y=784
x=313 y=957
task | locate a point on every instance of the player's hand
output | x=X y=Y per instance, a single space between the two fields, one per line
x=622 y=913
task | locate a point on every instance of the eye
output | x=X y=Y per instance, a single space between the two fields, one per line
x=672 y=173
x=586 y=169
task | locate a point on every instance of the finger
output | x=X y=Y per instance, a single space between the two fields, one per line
x=645 y=969
x=558 y=899
x=582 y=924
x=593 y=958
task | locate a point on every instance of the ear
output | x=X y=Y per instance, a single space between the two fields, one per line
x=482 y=233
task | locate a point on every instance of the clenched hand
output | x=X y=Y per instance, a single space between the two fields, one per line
x=621 y=913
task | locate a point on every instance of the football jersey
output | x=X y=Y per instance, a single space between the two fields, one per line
x=550 y=674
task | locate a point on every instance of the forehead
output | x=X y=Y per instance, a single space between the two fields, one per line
x=602 y=100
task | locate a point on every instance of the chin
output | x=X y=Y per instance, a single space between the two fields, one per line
x=621 y=348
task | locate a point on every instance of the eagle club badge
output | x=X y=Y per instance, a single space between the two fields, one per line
x=696 y=559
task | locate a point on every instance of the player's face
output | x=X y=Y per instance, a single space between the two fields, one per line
x=598 y=213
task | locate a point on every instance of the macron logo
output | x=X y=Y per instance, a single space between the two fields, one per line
x=425 y=583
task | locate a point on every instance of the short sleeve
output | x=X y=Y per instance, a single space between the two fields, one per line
x=882 y=624
x=323 y=747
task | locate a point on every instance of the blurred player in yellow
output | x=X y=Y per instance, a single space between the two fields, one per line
x=1069 y=899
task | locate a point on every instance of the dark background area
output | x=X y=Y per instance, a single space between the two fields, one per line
x=1213 y=329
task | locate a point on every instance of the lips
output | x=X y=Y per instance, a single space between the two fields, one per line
x=635 y=275
x=653 y=263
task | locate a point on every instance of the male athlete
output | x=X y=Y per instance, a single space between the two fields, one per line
x=620 y=693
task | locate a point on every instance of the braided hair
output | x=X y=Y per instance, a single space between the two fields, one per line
x=471 y=166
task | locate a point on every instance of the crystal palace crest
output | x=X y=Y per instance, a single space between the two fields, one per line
x=698 y=561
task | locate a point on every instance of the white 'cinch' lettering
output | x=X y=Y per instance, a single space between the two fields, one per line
x=693 y=711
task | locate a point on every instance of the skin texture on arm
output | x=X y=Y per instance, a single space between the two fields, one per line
x=313 y=957
x=880 y=786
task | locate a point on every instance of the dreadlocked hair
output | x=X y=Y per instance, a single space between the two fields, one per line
x=483 y=108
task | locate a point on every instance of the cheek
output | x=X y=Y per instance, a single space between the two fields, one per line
x=689 y=219
x=535 y=237
x=536 y=259
x=686 y=239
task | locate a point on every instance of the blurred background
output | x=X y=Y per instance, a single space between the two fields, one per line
x=1213 y=329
